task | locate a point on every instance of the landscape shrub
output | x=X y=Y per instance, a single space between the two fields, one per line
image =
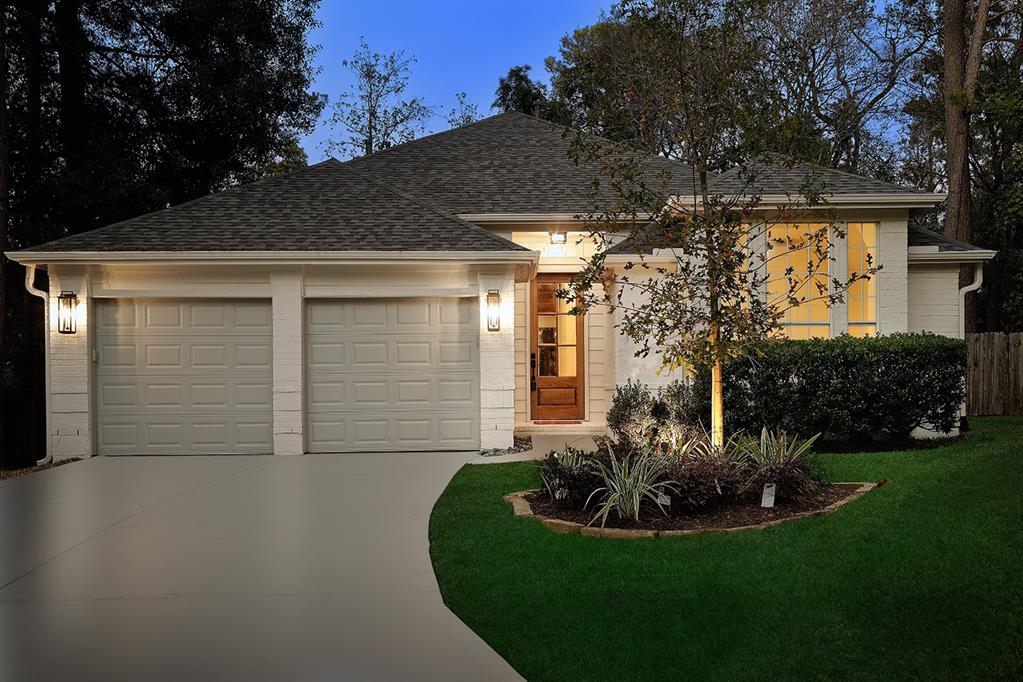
x=782 y=460
x=640 y=418
x=849 y=389
x=702 y=477
x=631 y=484
x=570 y=476
x=631 y=419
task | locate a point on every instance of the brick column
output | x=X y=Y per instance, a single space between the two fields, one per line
x=70 y=370
x=288 y=405
x=839 y=271
x=497 y=365
x=893 y=278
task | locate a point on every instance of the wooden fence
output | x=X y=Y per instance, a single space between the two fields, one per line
x=994 y=374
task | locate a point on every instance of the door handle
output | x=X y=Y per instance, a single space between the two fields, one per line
x=532 y=371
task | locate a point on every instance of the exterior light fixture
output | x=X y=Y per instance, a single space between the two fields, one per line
x=67 y=312
x=493 y=310
x=558 y=237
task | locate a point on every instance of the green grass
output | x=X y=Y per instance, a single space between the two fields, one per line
x=919 y=579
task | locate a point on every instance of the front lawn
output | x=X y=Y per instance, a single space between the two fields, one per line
x=921 y=579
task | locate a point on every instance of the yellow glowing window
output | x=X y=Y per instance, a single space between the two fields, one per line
x=862 y=295
x=796 y=246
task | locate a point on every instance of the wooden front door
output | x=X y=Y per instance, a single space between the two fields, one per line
x=557 y=358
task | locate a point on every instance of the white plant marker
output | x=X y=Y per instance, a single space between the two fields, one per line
x=768 y=498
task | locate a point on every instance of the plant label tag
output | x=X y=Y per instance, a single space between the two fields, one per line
x=768 y=498
x=663 y=499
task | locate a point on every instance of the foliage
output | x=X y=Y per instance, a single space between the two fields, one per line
x=779 y=459
x=630 y=484
x=116 y=109
x=704 y=474
x=830 y=78
x=569 y=477
x=516 y=91
x=639 y=418
x=464 y=113
x=848 y=388
x=373 y=113
x=630 y=418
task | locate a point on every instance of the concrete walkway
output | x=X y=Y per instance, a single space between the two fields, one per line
x=230 y=568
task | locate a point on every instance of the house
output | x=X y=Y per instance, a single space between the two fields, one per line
x=401 y=301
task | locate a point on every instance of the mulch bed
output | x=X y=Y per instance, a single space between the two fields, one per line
x=14 y=473
x=739 y=513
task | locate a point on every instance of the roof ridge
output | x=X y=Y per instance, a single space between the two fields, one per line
x=443 y=214
x=405 y=145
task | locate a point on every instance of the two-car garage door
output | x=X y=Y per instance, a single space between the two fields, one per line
x=195 y=376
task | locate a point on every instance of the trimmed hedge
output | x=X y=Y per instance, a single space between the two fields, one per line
x=846 y=388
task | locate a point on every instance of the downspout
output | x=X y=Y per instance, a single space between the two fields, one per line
x=30 y=286
x=978 y=279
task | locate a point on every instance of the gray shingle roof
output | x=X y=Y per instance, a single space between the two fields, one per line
x=919 y=236
x=779 y=178
x=509 y=163
x=326 y=207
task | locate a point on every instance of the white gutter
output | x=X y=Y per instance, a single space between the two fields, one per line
x=30 y=278
x=971 y=256
x=978 y=279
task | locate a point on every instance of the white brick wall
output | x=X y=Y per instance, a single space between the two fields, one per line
x=893 y=278
x=646 y=370
x=497 y=365
x=288 y=419
x=70 y=370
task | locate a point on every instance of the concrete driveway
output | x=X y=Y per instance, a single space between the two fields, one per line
x=230 y=568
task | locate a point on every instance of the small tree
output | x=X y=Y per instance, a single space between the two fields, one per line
x=730 y=271
x=373 y=114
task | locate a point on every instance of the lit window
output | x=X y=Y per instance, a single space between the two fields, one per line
x=792 y=246
x=862 y=294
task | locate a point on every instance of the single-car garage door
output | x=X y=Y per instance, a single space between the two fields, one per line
x=399 y=374
x=183 y=377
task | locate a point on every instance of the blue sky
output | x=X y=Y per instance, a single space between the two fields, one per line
x=459 y=45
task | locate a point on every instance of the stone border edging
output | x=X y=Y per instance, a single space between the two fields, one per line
x=520 y=507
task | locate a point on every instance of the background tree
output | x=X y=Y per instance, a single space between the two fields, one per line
x=516 y=91
x=116 y=109
x=831 y=76
x=699 y=66
x=464 y=112
x=372 y=115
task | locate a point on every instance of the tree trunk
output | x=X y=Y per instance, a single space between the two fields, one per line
x=717 y=406
x=958 y=223
x=4 y=176
x=962 y=69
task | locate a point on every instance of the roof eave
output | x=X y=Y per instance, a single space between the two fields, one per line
x=29 y=257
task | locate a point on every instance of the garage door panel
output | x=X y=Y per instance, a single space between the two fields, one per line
x=348 y=431
x=184 y=377
x=392 y=374
x=340 y=391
